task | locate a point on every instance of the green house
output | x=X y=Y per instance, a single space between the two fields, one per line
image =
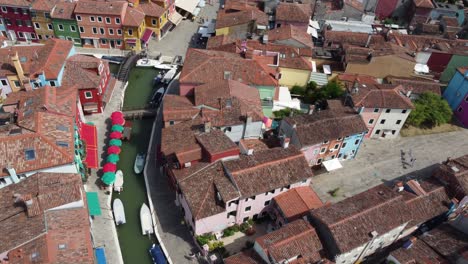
x=64 y=23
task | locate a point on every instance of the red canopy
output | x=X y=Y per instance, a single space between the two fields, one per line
x=113 y=150
x=109 y=167
x=118 y=121
x=115 y=135
x=117 y=114
x=89 y=135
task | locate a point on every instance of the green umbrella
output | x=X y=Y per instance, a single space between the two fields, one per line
x=108 y=178
x=115 y=142
x=113 y=158
x=118 y=128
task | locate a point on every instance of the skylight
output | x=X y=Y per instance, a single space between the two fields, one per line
x=30 y=154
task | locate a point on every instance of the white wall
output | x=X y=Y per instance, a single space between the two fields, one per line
x=391 y=119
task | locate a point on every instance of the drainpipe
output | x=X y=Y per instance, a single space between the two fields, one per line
x=12 y=173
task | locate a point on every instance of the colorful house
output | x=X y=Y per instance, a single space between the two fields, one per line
x=17 y=18
x=41 y=18
x=64 y=22
x=100 y=23
x=155 y=20
x=293 y=14
x=456 y=95
x=321 y=135
x=240 y=23
x=133 y=26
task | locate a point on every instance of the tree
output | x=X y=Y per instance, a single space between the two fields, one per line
x=280 y=114
x=430 y=110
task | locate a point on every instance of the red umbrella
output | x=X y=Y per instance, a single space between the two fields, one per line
x=117 y=114
x=118 y=121
x=115 y=135
x=109 y=167
x=113 y=150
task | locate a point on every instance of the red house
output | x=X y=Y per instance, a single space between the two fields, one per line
x=385 y=8
x=92 y=78
x=17 y=19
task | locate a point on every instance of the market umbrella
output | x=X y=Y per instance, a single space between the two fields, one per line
x=118 y=121
x=115 y=142
x=108 y=178
x=117 y=128
x=113 y=158
x=109 y=167
x=115 y=135
x=113 y=150
x=117 y=114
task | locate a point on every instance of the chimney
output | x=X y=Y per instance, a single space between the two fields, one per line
x=227 y=75
x=265 y=39
x=408 y=94
x=416 y=188
x=207 y=127
x=369 y=37
x=399 y=186
x=18 y=67
x=12 y=173
x=311 y=109
x=374 y=234
x=285 y=142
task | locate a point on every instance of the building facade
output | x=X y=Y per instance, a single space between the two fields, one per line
x=456 y=95
x=64 y=23
x=42 y=20
x=17 y=18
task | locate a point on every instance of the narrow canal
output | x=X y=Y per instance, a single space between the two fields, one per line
x=133 y=244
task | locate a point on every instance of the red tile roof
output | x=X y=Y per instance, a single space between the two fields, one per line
x=419 y=253
x=44 y=5
x=51 y=58
x=297 y=202
x=82 y=71
x=380 y=96
x=293 y=12
x=348 y=78
x=64 y=10
x=242 y=257
x=133 y=17
x=417 y=86
x=288 y=32
x=17 y=3
x=242 y=17
x=297 y=239
x=178 y=108
x=101 y=8
x=151 y=9
x=455 y=172
x=180 y=138
x=216 y=142
x=446 y=240
x=423 y=3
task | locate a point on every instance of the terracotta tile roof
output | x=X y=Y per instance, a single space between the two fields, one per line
x=287 y=32
x=242 y=17
x=18 y=3
x=380 y=96
x=295 y=239
x=82 y=71
x=255 y=144
x=419 y=42
x=423 y=3
x=450 y=21
x=283 y=167
x=233 y=111
x=47 y=119
x=455 y=171
x=134 y=16
x=151 y=9
x=242 y=257
x=180 y=138
x=178 y=108
x=221 y=43
x=417 y=86
x=51 y=58
x=203 y=66
x=446 y=240
x=28 y=54
x=101 y=8
x=200 y=190
x=352 y=38
x=22 y=254
x=233 y=5
x=64 y=10
x=431 y=28
x=353 y=219
x=348 y=78
x=215 y=142
x=44 y=5
x=326 y=125
x=419 y=253
x=297 y=202
x=46 y=190
x=293 y=12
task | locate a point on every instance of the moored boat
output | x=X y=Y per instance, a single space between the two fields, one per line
x=119 y=180
x=145 y=62
x=157 y=255
x=145 y=219
x=119 y=212
x=139 y=163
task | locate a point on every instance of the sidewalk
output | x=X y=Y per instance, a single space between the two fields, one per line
x=103 y=227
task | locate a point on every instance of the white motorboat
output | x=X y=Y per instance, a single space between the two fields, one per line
x=119 y=180
x=139 y=163
x=119 y=212
x=145 y=219
x=145 y=62
x=169 y=75
x=164 y=66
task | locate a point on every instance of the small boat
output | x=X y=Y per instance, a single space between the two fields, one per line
x=113 y=59
x=139 y=163
x=145 y=62
x=164 y=66
x=169 y=75
x=119 y=180
x=157 y=255
x=119 y=213
x=157 y=79
x=145 y=219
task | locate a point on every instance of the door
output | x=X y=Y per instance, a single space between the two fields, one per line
x=96 y=43
x=112 y=44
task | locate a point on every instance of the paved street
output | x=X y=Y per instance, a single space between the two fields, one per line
x=103 y=227
x=380 y=160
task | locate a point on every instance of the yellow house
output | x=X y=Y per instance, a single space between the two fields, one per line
x=41 y=20
x=291 y=77
x=156 y=18
x=133 y=27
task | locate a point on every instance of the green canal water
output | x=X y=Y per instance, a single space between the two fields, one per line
x=133 y=244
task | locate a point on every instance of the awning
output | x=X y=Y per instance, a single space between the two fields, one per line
x=175 y=18
x=94 y=207
x=333 y=164
x=130 y=41
x=187 y=5
x=89 y=136
x=100 y=255
x=147 y=35
x=90 y=107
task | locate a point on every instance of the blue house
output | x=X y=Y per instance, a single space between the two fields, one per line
x=457 y=88
x=350 y=146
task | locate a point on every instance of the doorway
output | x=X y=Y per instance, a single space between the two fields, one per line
x=112 y=44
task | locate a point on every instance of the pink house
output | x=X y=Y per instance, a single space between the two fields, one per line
x=217 y=195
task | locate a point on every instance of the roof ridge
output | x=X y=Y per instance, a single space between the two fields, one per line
x=42 y=137
x=267 y=163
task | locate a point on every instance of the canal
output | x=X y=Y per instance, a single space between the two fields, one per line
x=133 y=244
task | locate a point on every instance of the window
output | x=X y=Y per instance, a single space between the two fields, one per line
x=371 y=121
x=171 y=122
x=62 y=144
x=246 y=219
x=50 y=27
x=60 y=27
x=111 y=31
x=154 y=21
x=52 y=83
x=94 y=30
x=88 y=95
x=47 y=15
x=319 y=161
x=323 y=150
x=336 y=146
x=460 y=109
x=40 y=36
x=117 y=20
x=15 y=10
x=4 y=82
x=344 y=145
x=398 y=122
x=340 y=155
x=393 y=132
x=377 y=131
x=403 y=111
x=62 y=246
x=376 y=110
x=37 y=25
x=73 y=28
x=30 y=154
x=34 y=256
x=78 y=18
x=62 y=128
x=17 y=83
x=382 y=121
x=267 y=203
x=325 y=142
x=4 y=9
x=339 y=139
x=356 y=142
x=387 y=111
x=333 y=156
x=130 y=32
x=92 y=19
x=69 y=38
x=119 y=31
x=81 y=29
x=119 y=42
x=102 y=31
x=248 y=208
x=99 y=19
x=19 y=22
x=33 y=36
x=103 y=41
x=108 y=20
x=8 y=21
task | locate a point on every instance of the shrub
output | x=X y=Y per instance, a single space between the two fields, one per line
x=205 y=239
x=244 y=227
x=430 y=110
x=215 y=245
x=230 y=230
x=297 y=90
